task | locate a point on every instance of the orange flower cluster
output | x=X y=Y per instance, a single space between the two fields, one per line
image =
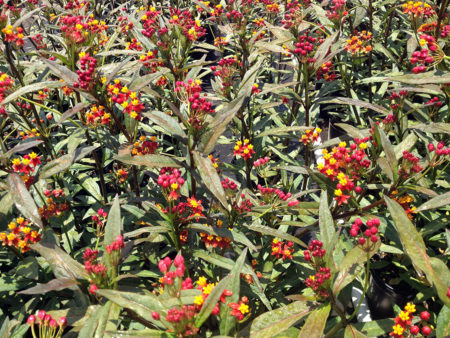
x=359 y=43
x=282 y=249
x=77 y=31
x=144 y=146
x=20 y=235
x=215 y=241
x=129 y=100
x=13 y=35
x=244 y=150
x=97 y=116
x=346 y=165
x=404 y=321
x=311 y=136
x=418 y=9
x=53 y=208
x=122 y=175
x=29 y=134
x=405 y=201
x=26 y=166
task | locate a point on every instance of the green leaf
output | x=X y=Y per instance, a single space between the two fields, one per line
x=270 y=323
x=406 y=144
x=143 y=305
x=150 y=160
x=31 y=88
x=351 y=266
x=436 y=202
x=265 y=230
x=434 y=127
x=228 y=322
x=167 y=122
x=113 y=229
x=23 y=199
x=108 y=320
x=91 y=324
x=351 y=332
x=281 y=131
x=212 y=299
x=422 y=78
x=315 y=323
x=210 y=178
x=389 y=152
x=22 y=147
x=72 y=111
x=414 y=246
x=62 y=264
x=327 y=228
x=443 y=322
x=359 y=103
x=54 y=285
x=375 y=328
x=142 y=333
x=64 y=162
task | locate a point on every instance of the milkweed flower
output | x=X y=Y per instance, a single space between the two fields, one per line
x=243 y=149
x=359 y=43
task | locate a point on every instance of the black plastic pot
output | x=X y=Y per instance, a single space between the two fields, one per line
x=382 y=296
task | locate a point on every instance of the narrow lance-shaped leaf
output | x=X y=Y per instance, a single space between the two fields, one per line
x=326 y=225
x=23 y=199
x=210 y=178
x=150 y=160
x=54 y=285
x=436 y=202
x=271 y=323
x=315 y=324
x=414 y=247
x=229 y=322
x=389 y=152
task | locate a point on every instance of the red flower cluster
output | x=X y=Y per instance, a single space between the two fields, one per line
x=244 y=205
x=423 y=59
x=97 y=116
x=86 y=73
x=261 y=162
x=122 y=175
x=293 y=14
x=272 y=195
x=370 y=232
x=239 y=309
x=398 y=99
x=5 y=84
x=314 y=249
x=144 y=146
x=13 y=35
x=76 y=31
x=20 y=235
x=129 y=100
x=326 y=72
x=282 y=249
x=244 y=150
x=47 y=325
x=305 y=48
x=316 y=282
x=215 y=241
x=434 y=102
x=171 y=181
x=405 y=320
x=150 y=22
x=148 y=60
x=228 y=184
x=117 y=245
x=26 y=166
x=99 y=218
x=439 y=149
x=134 y=45
x=183 y=19
x=53 y=208
x=191 y=94
x=345 y=164
x=337 y=11
x=410 y=164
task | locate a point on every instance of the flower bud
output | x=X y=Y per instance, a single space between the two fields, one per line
x=31 y=319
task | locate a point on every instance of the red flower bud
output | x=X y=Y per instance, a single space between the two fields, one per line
x=31 y=319
x=425 y=315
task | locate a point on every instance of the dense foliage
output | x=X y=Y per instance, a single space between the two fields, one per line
x=224 y=168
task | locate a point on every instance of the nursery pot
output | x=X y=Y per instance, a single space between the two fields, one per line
x=382 y=296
